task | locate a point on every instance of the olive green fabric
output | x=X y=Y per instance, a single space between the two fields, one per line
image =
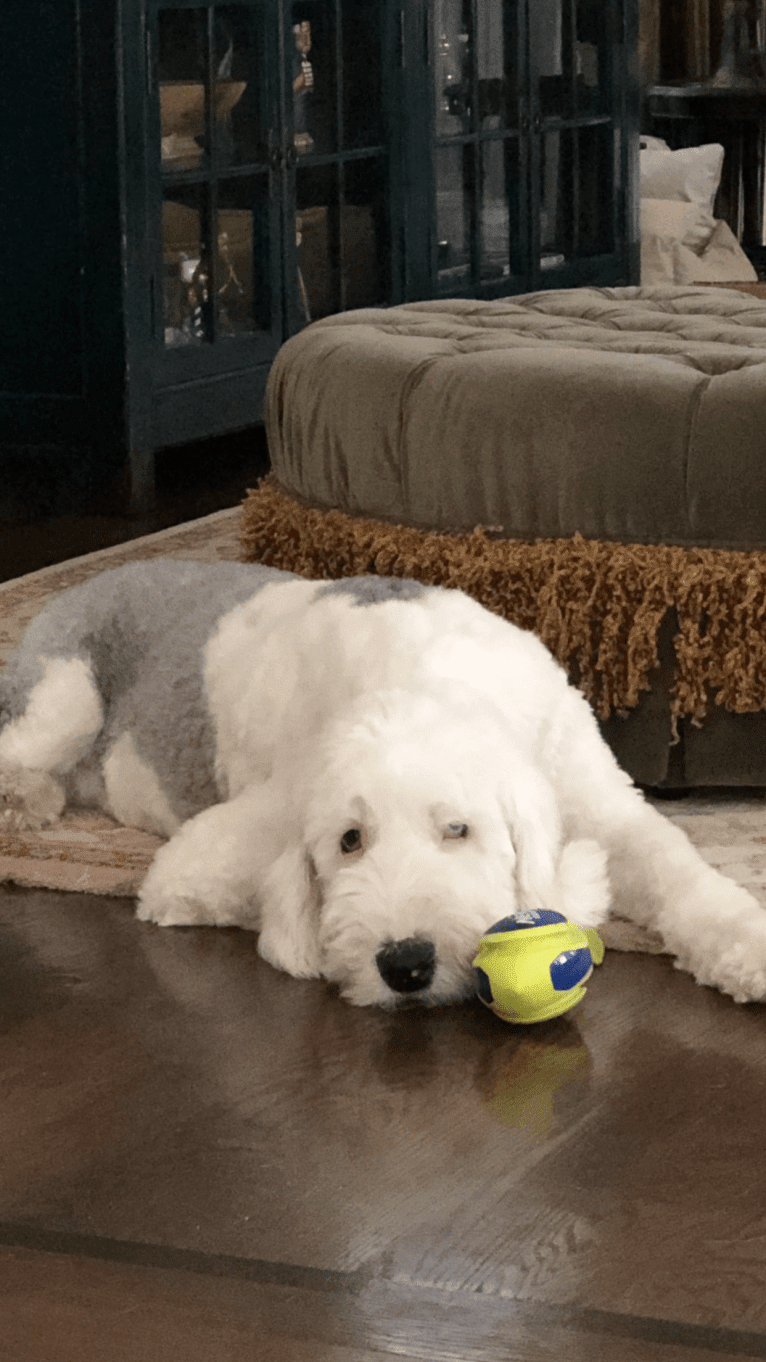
x=634 y=415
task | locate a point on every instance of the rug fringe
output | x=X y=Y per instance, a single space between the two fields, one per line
x=598 y=606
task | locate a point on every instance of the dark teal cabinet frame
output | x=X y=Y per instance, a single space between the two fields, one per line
x=521 y=114
x=97 y=362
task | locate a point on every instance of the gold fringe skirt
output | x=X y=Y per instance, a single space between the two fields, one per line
x=597 y=606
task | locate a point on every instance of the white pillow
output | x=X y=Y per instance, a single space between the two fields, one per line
x=691 y=175
x=653 y=143
x=685 y=222
x=724 y=259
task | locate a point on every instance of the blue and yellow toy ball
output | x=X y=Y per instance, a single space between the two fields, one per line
x=535 y=965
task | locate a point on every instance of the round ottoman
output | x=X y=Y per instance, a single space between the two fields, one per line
x=589 y=462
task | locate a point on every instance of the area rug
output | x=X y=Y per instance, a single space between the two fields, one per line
x=90 y=853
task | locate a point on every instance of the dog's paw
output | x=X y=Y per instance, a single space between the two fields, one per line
x=29 y=800
x=723 y=947
x=302 y=959
x=174 y=910
x=171 y=899
x=739 y=971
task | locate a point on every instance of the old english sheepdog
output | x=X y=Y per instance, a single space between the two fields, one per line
x=367 y=772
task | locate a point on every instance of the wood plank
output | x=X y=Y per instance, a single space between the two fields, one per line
x=57 y=1308
x=169 y=1089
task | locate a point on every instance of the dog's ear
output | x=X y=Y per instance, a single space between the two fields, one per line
x=532 y=816
x=571 y=879
x=289 y=936
x=584 y=890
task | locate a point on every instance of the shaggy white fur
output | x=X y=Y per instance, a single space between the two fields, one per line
x=387 y=773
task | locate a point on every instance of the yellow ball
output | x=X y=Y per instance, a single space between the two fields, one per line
x=535 y=965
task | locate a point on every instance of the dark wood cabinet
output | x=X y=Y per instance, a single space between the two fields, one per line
x=530 y=170
x=263 y=164
x=188 y=182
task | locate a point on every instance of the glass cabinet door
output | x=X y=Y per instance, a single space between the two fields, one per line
x=529 y=144
x=272 y=159
x=479 y=157
x=576 y=140
x=218 y=227
x=337 y=253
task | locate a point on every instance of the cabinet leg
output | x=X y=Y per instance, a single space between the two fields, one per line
x=142 y=486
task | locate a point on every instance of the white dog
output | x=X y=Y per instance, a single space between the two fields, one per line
x=367 y=772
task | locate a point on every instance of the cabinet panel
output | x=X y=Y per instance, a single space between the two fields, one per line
x=478 y=157
x=216 y=225
x=271 y=159
x=42 y=257
x=528 y=148
x=338 y=195
x=572 y=43
x=194 y=180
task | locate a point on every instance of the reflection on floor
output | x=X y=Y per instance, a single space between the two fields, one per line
x=205 y=1159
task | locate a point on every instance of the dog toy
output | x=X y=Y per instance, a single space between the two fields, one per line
x=535 y=965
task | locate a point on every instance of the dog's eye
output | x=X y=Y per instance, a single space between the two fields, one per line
x=351 y=841
x=456 y=830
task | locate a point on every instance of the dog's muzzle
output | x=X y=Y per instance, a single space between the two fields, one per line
x=407 y=966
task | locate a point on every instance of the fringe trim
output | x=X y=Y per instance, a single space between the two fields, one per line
x=598 y=606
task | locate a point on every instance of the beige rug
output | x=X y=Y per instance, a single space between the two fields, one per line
x=91 y=854
x=88 y=852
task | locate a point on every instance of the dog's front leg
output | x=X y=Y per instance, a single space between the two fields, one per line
x=212 y=871
x=713 y=926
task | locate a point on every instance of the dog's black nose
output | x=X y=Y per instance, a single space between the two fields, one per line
x=407 y=966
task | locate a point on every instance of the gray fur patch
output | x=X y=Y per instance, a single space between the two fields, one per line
x=142 y=629
x=371 y=590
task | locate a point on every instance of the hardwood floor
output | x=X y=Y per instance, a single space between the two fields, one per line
x=204 y=1160
x=201 y=1158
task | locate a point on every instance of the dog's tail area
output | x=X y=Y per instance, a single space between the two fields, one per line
x=52 y=725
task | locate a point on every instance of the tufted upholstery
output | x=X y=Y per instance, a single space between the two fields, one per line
x=636 y=415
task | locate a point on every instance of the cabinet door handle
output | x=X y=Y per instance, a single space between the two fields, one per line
x=291 y=156
x=276 y=156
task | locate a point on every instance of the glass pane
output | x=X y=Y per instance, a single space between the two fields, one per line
x=592 y=52
x=497 y=63
x=185 y=268
x=453 y=89
x=313 y=65
x=556 y=198
x=499 y=186
x=186 y=40
x=550 y=38
x=363 y=253
x=239 y=280
x=597 y=185
x=454 y=211
x=242 y=283
x=241 y=115
x=317 y=234
x=182 y=66
x=361 y=73
x=570 y=41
